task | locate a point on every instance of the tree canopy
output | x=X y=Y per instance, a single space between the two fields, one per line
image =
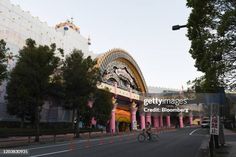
x=80 y=78
x=31 y=80
x=212 y=31
x=3 y=60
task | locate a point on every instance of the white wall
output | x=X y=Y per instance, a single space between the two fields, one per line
x=17 y=25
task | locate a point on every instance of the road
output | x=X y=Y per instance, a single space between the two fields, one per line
x=180 y=143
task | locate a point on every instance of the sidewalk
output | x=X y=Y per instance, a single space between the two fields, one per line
x=229 y=149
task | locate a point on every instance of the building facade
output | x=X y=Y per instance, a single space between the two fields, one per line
x=120 y=72
x=16 y=26
x=123 y=77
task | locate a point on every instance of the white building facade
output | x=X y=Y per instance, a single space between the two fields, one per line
x=16 y=26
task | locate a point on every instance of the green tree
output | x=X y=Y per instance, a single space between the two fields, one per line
x=3 y=60
x=211 y=29
x=19 y=99
x=31 y=81
x=102 y=106
x=80 y=80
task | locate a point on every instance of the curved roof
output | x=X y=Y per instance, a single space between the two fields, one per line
x=121 y=55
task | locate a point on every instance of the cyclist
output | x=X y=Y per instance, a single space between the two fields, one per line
x=148 y=130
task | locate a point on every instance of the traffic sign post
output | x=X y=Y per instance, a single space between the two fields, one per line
x=214 y=125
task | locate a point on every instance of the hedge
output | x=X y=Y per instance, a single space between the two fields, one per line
x=8 y=132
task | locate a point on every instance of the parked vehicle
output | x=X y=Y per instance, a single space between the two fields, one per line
x=205 y=123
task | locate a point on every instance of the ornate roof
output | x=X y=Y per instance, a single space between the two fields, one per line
x=120 y=55
x=68 y=23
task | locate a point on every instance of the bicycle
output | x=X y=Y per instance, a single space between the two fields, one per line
x=144 y=137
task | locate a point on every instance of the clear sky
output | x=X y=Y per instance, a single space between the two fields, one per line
x=141 y=27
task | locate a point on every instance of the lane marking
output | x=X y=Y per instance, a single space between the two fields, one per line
x=76 y=142
x=57 y=145
x=46 y=154
x=194 y=131
x=81 y=148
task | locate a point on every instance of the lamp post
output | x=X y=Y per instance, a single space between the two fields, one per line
x=215 y=138
x=177 y=27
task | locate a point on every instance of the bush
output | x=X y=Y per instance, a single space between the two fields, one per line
x=50 y=130
x=46 y=125
x=9 y=124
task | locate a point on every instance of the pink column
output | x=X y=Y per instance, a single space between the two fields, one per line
x=93 y=121
x=133 y=117
x=142 y=119
x=161 y=121
x=113 y=122
x=148 y=118
x=168 y=120
x=156 y=121
x=181 y=123
x=190 y=118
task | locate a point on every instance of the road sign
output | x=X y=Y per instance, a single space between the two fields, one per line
x=214 y=125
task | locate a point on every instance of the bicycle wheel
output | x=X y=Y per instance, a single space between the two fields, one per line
x=155 y=137
x=141 y=138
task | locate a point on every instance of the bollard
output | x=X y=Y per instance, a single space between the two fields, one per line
x=72 y=145
x=101 y=141
x=54 y=138
x=134 y=135
x=29 y=139
x=87 y=145
x=112 y=140
x=121 y=135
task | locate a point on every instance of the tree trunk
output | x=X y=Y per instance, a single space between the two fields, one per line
x=77 y=135
x=37 y=124
x=22 y=122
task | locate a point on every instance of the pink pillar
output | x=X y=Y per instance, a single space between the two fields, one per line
x=168 y=120
x=148 y=118
x=156 y=121
x=113 y=122
x=181 y=123
x=93 y=121
x=142 y=119
x=161 y=121
x=133 y=117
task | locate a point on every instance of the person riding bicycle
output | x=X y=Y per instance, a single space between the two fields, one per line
x=148 y=130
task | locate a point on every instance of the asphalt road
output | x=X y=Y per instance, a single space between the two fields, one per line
x=180 y=143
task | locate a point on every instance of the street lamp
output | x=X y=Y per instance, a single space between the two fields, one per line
x=177 y=27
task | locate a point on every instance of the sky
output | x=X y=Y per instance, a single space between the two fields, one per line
x=141 y=27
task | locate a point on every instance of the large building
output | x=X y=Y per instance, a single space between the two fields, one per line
x=17 y=25
x=121 y=74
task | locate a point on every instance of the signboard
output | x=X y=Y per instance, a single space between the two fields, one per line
x=214 y=125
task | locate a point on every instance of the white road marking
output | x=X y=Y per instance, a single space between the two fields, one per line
x=56 y=145
x=194 y=131
x=46 y=154
x=75 y=142
x=66 y=150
